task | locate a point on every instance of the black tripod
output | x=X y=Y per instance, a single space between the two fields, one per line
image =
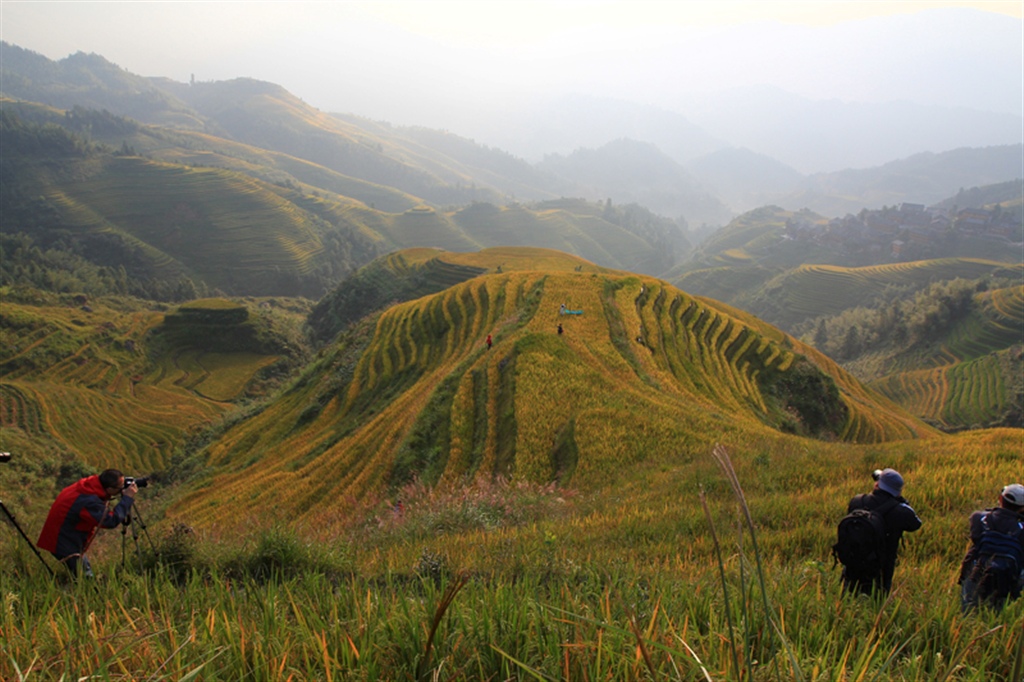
x=138 y=523
x=14 y=521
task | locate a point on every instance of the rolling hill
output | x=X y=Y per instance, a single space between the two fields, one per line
x=230 y=231
x=810 y=291
x=637 y=172
x=925 y=178
x=969 y=377
x=642 y=373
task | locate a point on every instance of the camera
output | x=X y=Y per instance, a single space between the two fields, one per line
x=141 y=481
x=5 y=457
x=876 y=474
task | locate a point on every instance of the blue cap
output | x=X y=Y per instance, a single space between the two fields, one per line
x=891 y=482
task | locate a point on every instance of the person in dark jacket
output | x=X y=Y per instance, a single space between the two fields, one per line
x=999 y=530
x=899 y=517
x=78 y=512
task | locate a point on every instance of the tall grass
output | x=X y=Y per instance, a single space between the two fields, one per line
x=504 y=581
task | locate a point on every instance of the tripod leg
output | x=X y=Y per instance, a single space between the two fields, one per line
x=138 y=549
x=124 y=541
x=30 y=543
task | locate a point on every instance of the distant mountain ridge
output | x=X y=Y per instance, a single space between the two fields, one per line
x=379 y=162
x=638 y=172
x=177 y=228
x=829 y=136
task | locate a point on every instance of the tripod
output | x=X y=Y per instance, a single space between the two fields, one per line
x=139 y=523
x=22 y=533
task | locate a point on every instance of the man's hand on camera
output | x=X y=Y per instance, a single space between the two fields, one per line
x=130 y=490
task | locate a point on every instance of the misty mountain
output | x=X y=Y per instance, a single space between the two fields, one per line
x=1004 y=193
x=627 y=171
x=830 y=135
x=744 y=179
x=92 y=82
x=664 y=161
x=493 y=166
x=811 y=136
x=924 y=178
x=562 y=124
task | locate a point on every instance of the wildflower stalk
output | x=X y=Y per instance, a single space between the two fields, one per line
x=725 y=584
x=722 y=457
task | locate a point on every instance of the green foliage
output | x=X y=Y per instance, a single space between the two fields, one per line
x=46 y=141
x=278 y=553
x=424 y=452
x=808 y=399
x=963 y=325
x=384 y=281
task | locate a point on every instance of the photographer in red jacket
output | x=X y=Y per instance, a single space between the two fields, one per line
x=79 y=511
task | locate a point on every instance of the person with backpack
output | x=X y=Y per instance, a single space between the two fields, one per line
x=869 y=535
x=993 y=568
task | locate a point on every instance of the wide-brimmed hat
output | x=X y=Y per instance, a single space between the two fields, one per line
x=891 y=482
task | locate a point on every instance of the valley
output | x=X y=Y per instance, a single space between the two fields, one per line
x=411 y=405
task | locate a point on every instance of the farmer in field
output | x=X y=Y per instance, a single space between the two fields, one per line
x=78 y=512
x=991 y=572
x=896 y=517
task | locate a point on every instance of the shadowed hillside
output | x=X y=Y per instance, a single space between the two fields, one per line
x=174 y=231
x=642 y=373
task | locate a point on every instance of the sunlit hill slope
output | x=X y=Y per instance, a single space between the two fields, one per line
x=642 y=373
x=119 y=382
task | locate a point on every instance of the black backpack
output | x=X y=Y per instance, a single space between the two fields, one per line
x=860 y=541
x=997 y=567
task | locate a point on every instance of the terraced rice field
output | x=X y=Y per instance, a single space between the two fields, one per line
x=967 y=383
x=227 y=216
x=813 y=290
x=82 y=377
x=632 y=379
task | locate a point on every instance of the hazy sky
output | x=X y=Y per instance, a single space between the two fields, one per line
x=441 y=63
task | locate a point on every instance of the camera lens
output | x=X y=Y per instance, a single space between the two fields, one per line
x=5 y=457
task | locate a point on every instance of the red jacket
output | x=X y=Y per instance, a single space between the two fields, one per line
x=78 y=511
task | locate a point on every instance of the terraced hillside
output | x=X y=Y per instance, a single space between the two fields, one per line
x=640 y=374
x=232 y=231
x=976 y=377
x=202 y=217
x=412 y=273
x=105 y=380
x=811 y=291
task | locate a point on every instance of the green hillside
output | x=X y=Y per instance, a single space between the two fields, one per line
x=890 y=325
x=970 y=377
x=643 y=375
x=758 y=234
x=569 y=484
x=171 y=231
x=809 y=291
